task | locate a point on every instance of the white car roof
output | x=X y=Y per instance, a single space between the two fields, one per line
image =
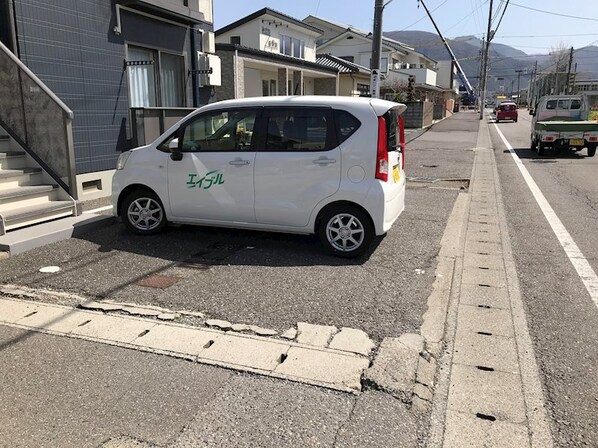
x=380 y=106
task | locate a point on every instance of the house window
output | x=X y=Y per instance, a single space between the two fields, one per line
x=236 y=40
x=269 y=87
x=157 y=78
x=384 y=65
x=292 y=47
x=363 y=89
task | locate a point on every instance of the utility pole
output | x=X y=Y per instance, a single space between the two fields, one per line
x=532 y=87
x=376 y=49
x=569 y=87
x=485 y=62
x=518 y=88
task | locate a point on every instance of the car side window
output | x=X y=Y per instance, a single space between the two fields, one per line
x=229 y=130
x=551 y=104
x=297 y=129
x=346 y=124
x=575 y=104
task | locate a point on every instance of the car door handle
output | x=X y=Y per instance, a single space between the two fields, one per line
x=324 y=161
x=239 y=162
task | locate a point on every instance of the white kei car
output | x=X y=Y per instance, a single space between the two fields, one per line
x=331 y=166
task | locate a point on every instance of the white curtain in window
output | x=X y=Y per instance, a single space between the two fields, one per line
x=142 y=79
x=171 y=79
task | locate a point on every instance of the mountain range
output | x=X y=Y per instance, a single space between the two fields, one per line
x=504 y=59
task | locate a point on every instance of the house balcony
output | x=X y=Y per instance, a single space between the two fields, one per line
x=422 y=75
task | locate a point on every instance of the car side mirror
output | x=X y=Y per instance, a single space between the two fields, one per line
x=532 y=112
x=175 y=151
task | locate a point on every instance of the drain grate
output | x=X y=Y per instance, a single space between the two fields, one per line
x=423 y=180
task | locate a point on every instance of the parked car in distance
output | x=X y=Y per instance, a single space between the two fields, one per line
x=507 y=111
x=331 y=166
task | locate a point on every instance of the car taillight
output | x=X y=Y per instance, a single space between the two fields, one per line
x=402 y=140
x=382 y=152
x=592 y=138
x=549 y=138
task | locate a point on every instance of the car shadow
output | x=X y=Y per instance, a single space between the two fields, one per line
x=550 y=154
x=201 y=246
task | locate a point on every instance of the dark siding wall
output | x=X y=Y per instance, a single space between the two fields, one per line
x=70 y=45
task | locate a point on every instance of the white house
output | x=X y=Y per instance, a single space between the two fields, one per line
x=269 y=53
x=398 y=61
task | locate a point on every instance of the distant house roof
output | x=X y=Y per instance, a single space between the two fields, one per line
x=342 y=65
x=297 y=62
x=271 y=12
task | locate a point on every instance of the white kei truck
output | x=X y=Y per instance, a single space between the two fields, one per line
x=561 y=122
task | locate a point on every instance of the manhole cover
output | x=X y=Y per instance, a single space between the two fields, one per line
x=158 y=281
x=424 y=180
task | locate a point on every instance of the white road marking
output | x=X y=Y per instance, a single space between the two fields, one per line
x=580 y=263
x=99 y=209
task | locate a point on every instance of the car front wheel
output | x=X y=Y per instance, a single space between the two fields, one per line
x=345 y=231
x=143 y=213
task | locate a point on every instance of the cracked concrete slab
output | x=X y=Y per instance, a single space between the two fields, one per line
x=352 y=340
x=317 y=335
x=325 y=368
x=394 y=368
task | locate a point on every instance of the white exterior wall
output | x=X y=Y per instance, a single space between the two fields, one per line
x=444 y=75
x=359 y=49
x=249 y=32
x=254 y=35
x=253 y=82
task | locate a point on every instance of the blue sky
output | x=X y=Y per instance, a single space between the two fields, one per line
x=531 y=31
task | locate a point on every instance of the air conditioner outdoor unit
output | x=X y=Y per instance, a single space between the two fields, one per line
x=209 y=69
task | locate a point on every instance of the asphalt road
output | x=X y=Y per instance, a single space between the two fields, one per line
x=275 y=280
x=563 y=319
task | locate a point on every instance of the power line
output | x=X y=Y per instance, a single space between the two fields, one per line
x=555 y=13
x=503 y=14
x=424 y=17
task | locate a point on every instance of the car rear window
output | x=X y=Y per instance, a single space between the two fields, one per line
x=508 y=107
x=346 y=124
x=392 y=127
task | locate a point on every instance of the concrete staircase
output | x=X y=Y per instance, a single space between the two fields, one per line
x=27 y=194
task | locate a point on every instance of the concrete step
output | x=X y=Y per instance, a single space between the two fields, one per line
x=10 y=179
x=12 y=160
x=26 y=196
x=39 y=235
x=34 y=214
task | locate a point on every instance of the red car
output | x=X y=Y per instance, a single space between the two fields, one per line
x=506 y=111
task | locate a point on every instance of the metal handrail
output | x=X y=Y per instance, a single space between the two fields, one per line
x=38 y=81
x=38 y=121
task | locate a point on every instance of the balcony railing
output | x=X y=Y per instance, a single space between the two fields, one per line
x=148 y=123
x=38 y=121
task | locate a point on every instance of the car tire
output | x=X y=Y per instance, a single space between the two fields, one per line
x=540 y=149
x=591 y=151
x=143 y=213
x=515 y=120
x=345 y=231
x=533 y=145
